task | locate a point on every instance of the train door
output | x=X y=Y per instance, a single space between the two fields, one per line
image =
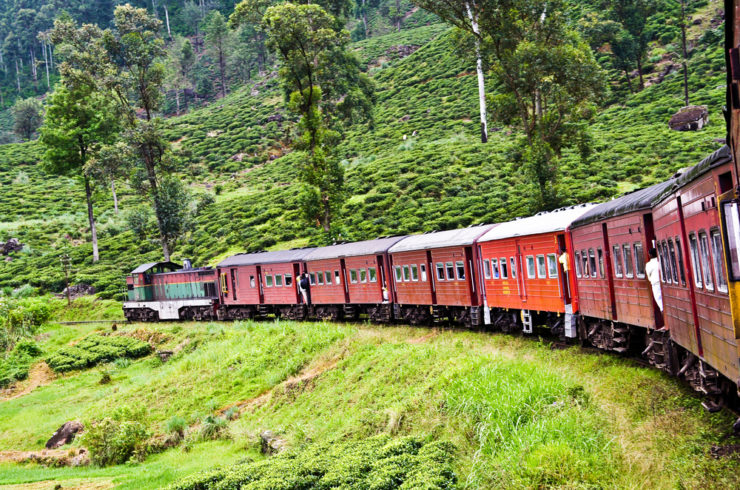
x=259 y=283
x=609 y=271
x=380 y=259
x=563 y=279
x=343 y=269
x=650 y=239
x=521 y=279
x=472 y=278
x=431 y=274
x=296 y=280
x=233 y=283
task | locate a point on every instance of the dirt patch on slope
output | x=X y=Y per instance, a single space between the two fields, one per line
x=48 y=457
x=39 y=375
x=421 y=340
x=94 y=484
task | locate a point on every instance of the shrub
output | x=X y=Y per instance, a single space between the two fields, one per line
x=112 y=441
x=177 y=425
x=95 y=349
x=20 y=317
x=14 y=366
x=212 y=427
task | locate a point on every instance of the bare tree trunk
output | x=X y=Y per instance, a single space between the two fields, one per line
x=51 y=56
x=639 y=71
x=398 y=13
x=91 y=218
x=481 y=78
x=165 y=250
x=177 y=100
x=629 y=81
x=46 y=64
x=222 y=68
x=17 y=76
x=115 y=197
x=32 y=58
x=685 y=54
x=364 y=18
x=167 y=20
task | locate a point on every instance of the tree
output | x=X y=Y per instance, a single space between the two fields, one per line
x=684 y=53
x=465 y=16
x=633 y=15
x=192 y=15
x=600 y=32
x=247 y=16
x=172 y=203
x=325 y=88
x=218 y=39
x=179 y=63
x=547 y=77
x=27 y=117
x=79 y=121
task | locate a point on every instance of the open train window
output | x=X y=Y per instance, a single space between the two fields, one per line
x=320 y=278
x=423 y=270
x=312 y=278
x=353 y=275
x=530 y=267
x=600 y=255
x=552 y=265
x=512 y=262
x=495 y=273
x=252 y=282
x=639 y=260
x=372 y=274
x=578 y=264
x=363 y=275
x=674 y=265
x=629 y=269
x=337 y=278
x=406 y=273
x=725 y=182
x=414 y=272
x=440 y=271
x=541 y=270
x=504 y=268
x=592 y=262
x=486 y=269
x=268 y=281
x=460 y=269
x=705 y=261
x=617 y=256
x=719 y=268
x=278 y=281
x=731 y=219
x=450 y=271
x=665 y=259
x=681 y=268
x=288 y=280
x=695 y=267
x=399 y=277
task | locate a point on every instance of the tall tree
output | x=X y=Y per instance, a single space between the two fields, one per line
x=634 y=15
x=27 y=117
x=324 y=87
x=684 y=52
x=218 y=39
x=79 y=121
x=248 y=16
x=465 y=15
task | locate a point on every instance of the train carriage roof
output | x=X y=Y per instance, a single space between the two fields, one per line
x=441 y=239
x=258 y=258
x=367 y=247
x=545 y=222
x=628 y=203
x=719 y=157
x=145 y=267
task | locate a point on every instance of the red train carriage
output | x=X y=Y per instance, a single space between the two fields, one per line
x=351 y=279
x=522 y=274
x=694 y=279
x=262 y=283
x=434 y=277
x=165 y=291
x=611 y=244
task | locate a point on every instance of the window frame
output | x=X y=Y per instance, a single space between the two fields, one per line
x=578 y=264
x=639 y=259
x=617 y=260
x=706 y=261
x=278 y=280
x=372 y=274
x=414 y=269
x=423 y=272
x=592 y=263
x=695 y=263
x=312 y=278
x=717 y=254
x=552 y=265
x=541 y=267
x=531 y=267
x=398 y=274
x=495 y=271
x=627 y=261
x=268 y=280
x=363 y=275
x=320 y=278
x=512 y=268
x=503 y=268
x=460 y=265
x=486 y=269
x=439 y=268
x=450 y=271
x=353 y=276
x=337 y=277
x=288 y=280
x=406 y=273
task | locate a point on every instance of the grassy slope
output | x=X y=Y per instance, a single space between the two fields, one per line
x=520 y=413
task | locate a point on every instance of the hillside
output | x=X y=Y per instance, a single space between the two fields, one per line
x=517 y=412
x=418 y=167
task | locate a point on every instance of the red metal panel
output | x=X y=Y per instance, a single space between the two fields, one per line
x=452 y=292
x=368 y=292
x=279 y=295
x=593 y=292
x=412 y=292
x=247 y=285
x=321 y=292
x=500 y=292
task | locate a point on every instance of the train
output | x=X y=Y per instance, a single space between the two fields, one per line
x=579 y=271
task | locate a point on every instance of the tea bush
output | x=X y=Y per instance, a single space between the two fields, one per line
x=95 y=349
x=377 y=463
x=14 y=365
x=116 y=439
x=20 y=317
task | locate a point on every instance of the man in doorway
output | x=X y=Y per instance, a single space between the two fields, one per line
x=652 y=271
x=304 y=286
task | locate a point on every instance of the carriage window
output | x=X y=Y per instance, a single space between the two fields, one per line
x=440 y=271
x=460 y=267
x=530 y=267
x=681 y=269
x=504 y=268
x=665 y=259
x=600 y=255
x=251 y=282
x=288 y=280
x=541 y=271
x=674 y=265
x=450 y=271
x=406 y=275
x=337 y=278
x=731 y=216
x=578 y=264
x=617 y=261
x=423 y=270
x=372 y=274
x=494 y=269
x=513 y=267
x=268 y=281
x=629 y=270
x=414 y=272
x=552 y=265
x=312 y=276
x=584 y=263
x=592 y=262
x=398 y=273
x=704 y=248
x=363 y=275
x=278 y=281
x=486 y=269
x=695 y=267
x=320 y=278
x=327 y=278
x=639 y=260
x=353 y=276
x=719 y=268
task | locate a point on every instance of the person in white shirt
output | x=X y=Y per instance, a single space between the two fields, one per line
x=652 y=271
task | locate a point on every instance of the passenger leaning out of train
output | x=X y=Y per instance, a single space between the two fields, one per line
x=303 y=286
x=652 y=271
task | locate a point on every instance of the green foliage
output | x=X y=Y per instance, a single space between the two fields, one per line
x=212 y=427
x=14 y=365
x=27 y=117
x=378 y=463
x=117 y=439
x=176 y=425
x=95 y=349
x=20 y=318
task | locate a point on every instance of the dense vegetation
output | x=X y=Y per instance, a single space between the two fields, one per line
x=96 y=349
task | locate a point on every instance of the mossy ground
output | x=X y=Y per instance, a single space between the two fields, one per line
x=520 y=413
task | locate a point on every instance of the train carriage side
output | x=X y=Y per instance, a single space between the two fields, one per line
x=611 y=244
x=435 y=277
x=351 y=279
x=524 y=281
x=258 y=284
x=697 y=306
